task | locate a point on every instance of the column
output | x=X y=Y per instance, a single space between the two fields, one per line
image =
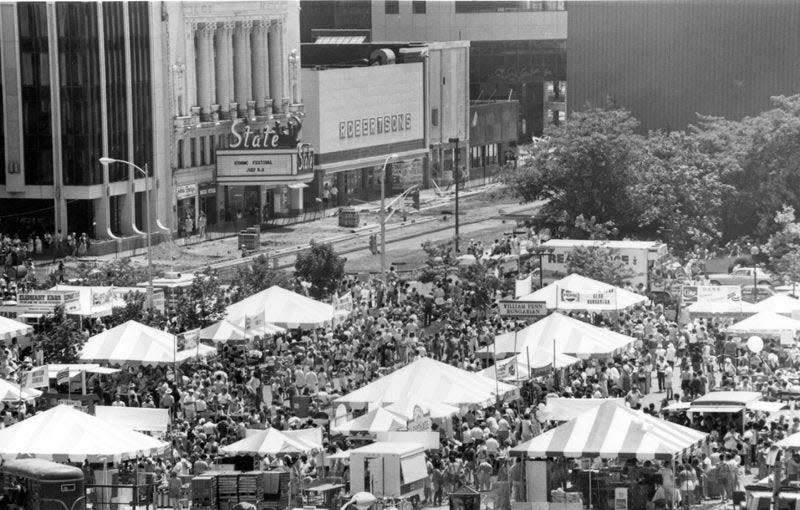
x=191 y=72
x=241 y=64
x=276 y=65
x=205 y=68
x=223 y=60
x=296 y=199
x=260 y=50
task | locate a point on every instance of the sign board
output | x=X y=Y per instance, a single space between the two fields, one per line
x=419 y=422
x=506 y=369
x=710 y=293
x=523 y=287
x=185 y=191
x=621 y=498
x=344 y=302
x=36 y=378
x=522 y=309
x=101 y=297
x=254 y=166
x=45 y=301
x=606 y=298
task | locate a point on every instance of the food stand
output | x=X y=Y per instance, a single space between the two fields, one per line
x=389 y=469
x=629 y=443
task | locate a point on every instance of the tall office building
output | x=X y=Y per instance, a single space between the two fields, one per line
x=78 y=84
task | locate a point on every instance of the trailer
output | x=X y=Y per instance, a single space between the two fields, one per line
x=389 y=469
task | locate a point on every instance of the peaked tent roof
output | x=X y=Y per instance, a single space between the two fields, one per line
x=133 y=342
x=65 y=434
x=570 y=336
x=566 y=408
x=764 y=323
x=12 y=392
x=610 y=431
x=721 y=307
x=283 y=308
x=10 y=328
x=377 y=420
x=222 y=331
x=779 y=303
x=576 y=283
x=406 y=409
x=270 y=441
x=430 y=381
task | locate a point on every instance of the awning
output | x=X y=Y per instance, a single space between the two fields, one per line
x=340 y=39
x=414 y=468
x=297 y=185
x=715 y=409
x=765 y=407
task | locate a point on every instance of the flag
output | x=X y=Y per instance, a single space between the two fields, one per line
x=36 y=378
x=62 y=377
x=523 y=287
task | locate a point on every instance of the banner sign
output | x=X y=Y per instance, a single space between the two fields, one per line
x=605 y=298
x=36 y=378
x=101 y=297
x=252 y=322
x=189 y=339
x=506 y=369
x=344 y=302
x=45 y=301
x=710 y=293
x=523 y=287
x=419 y=422
x=522 y=309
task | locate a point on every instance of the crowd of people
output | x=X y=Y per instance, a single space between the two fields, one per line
x=214 y=401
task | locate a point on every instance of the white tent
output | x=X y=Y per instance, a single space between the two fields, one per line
x=377 y=420
x=135 y=343
x=779 y=303
x=65 y=434
x=516 y=368
x=428 y=380
x=721 y=308
x=576 y=292
x=406 y=409
x=273 y=442
x=10 y=328
x=12 y=392
x=565 y=409
x=283 y=308
x=564 y=334
x=767 y=324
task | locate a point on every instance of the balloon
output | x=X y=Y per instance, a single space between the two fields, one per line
x=755 y=344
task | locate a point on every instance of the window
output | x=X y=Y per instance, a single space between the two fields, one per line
x=418 y=6
x=180 y=153
x=202 y=151
x=434 y=116
x=475 y=156
x=212 y=151
x=116 y=88
x=491 y=154
x=193 y=152
x=392 y=6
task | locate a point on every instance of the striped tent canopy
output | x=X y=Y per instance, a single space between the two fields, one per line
x=12 y=392
x=273 y=442
x=377 y=420
x=611 y=431
x=10 y=328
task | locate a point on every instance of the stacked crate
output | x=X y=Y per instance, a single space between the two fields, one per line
x=276 y=491
x=204 y=492
x=227 y=490
x=251 y=487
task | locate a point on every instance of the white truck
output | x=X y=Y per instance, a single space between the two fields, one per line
x=640 y=256
x=390 y=470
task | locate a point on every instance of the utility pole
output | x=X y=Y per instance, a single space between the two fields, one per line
x=457 y=177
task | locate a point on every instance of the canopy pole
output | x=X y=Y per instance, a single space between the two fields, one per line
x=672 y=489
x=590 y=488
x=496 y=374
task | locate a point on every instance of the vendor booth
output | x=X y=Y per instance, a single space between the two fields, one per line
x=561 y=334
x=13 y=392
x=780 y=303
x=389 y=469
x=431 y=381
x=377 y=420
x=65 y=434
x=768 y=324
x=624 y=438
x=140 y=419
x=10 y=328
x=565 y=409
x=522 y=367
x=283 y=308
x=721 y=309
x=274 y=442
x=576 y=292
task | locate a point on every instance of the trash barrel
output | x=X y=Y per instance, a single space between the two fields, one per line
x=348 y=217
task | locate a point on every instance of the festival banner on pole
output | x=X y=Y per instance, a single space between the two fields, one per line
x=36 y=378
x=344 y=302
x=523 y=287
x=604 y=298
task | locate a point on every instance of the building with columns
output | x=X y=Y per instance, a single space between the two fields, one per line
x=234 y=84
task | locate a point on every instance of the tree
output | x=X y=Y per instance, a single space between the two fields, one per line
x=320 y=266
x=203 y=302
x=585 y=168
x=598 y=264
x=135 y=310
x=61 y=339
x=761 y=158
x=257 y=277
x=119 y=273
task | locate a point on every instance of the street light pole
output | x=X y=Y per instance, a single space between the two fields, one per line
x=457 y=175
x=383 y=216
x=107 y=161
x=753 y=252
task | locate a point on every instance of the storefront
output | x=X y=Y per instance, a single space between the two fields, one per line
x=361 y=121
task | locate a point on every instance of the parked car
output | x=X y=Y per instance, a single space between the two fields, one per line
x=762 y=293
x=742 y=276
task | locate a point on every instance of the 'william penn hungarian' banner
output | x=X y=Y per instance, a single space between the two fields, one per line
x=607 y=297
